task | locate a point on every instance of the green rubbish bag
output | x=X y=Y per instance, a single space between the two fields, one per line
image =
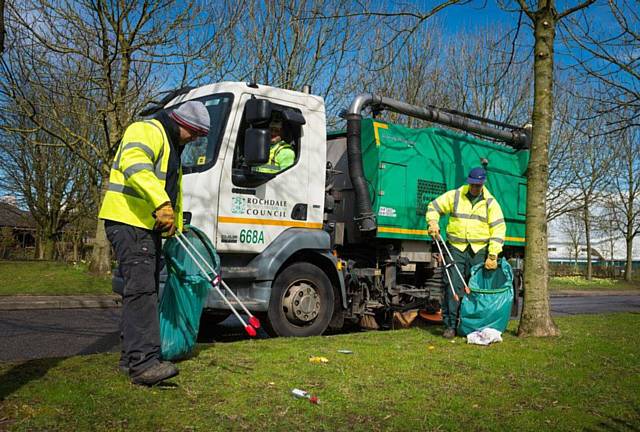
x=490 y=300
x=184 y=293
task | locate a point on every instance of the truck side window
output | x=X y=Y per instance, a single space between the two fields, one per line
x=285 y=145
x=201 y=154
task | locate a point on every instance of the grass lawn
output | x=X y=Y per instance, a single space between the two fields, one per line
x=49 y=278
x=408 y=380
x=579 y=283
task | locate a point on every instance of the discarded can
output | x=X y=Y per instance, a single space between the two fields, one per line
x=306 y=395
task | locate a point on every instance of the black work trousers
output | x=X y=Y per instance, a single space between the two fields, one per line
x=138 y=252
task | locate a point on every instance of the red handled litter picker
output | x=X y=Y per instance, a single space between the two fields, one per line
x=253 y=323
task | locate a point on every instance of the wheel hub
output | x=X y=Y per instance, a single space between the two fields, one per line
x=301 y=302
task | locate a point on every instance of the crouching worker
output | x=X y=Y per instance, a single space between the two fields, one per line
x=143 y=203
x=475 y=233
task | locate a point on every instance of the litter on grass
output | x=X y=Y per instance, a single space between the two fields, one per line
x=302 y=394
x=318 y=360
x=345 y=351
x=484 y=337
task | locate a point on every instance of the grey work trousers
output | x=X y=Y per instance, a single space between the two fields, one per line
x=138 y=252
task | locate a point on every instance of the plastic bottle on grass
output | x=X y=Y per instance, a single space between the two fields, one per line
x=306 y=395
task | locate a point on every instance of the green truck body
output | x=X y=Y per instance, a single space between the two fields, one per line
x=407 y=168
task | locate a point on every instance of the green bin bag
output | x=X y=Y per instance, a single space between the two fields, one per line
x=490 y=300
x=184 y=293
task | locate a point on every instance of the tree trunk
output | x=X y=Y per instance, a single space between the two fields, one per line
x=587 y=238
x=536 y=314
x=100 y=263
x=628 y=268
x=48 y=246
x=37 y=252
x=75 y=258
x=612 y=262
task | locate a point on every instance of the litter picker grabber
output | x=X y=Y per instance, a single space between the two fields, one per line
x=254 y=323
x=446 y=270
x=452 y=263
x=446 y=248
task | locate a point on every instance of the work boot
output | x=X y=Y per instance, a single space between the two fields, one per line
x=155 y=374
x=449 y=333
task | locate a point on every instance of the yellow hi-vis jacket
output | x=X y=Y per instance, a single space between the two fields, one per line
x=138 y=175
x=281 y=156
x=476 y=225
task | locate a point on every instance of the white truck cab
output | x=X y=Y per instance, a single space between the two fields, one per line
x=262 y=224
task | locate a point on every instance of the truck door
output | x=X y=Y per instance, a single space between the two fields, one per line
x=201 y=164
x=256 y=204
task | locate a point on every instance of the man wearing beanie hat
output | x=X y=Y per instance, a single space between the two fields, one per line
x=138 y=209
x=476 y=232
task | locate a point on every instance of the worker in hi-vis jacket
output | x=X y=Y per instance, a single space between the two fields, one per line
x=143 y=202
x=476 y=232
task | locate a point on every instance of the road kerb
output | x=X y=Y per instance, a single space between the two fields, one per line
x=24 y=302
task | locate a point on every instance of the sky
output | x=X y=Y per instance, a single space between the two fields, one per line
x=483 y=14
x=476 y=15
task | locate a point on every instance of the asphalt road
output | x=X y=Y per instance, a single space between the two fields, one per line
x=563 y=306
x=50 y=333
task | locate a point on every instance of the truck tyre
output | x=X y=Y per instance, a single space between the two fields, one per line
x=301 y=302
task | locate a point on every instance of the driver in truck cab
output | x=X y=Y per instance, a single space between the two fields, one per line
x=281 y=153
x=476 y=232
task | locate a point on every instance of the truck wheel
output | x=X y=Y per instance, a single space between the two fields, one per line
x=301 y=301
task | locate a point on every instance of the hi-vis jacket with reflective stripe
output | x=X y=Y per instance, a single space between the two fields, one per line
x=476 y=225
x=138 y=175
x=281 y=156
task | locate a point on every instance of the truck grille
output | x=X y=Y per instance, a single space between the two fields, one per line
x=427 y=192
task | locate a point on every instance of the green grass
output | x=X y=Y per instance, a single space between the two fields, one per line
x=579 y=283
x=586 y=379
x=49 y=278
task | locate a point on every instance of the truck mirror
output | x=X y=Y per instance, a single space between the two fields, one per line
x=293 y=117
x=257 y=111
x=256 y=146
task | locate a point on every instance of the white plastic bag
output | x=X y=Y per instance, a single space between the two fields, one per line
x=484 y=336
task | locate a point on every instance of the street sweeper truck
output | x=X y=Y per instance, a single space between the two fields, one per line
x=337 y=235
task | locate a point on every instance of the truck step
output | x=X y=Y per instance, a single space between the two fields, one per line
x=239 y=273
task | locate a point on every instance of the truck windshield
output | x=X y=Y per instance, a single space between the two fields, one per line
x=201 y=154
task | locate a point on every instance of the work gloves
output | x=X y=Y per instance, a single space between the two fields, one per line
x=434 y=229
x=491 y=262
x=165 y=219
